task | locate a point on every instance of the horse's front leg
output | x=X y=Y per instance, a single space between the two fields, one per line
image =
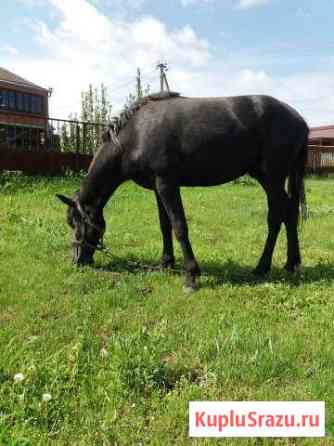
x=169 y=193
x=276 y=215
x=167 y=260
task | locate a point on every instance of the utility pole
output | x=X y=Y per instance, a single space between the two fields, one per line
x=163 y=66
x=139 y=86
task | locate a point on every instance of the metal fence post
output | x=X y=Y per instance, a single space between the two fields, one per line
x=84 y=137
x=77 y=143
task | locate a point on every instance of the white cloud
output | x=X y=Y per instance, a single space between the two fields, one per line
x=92 y=48
x=310 y=93
x=247 y=4
x=11 y=50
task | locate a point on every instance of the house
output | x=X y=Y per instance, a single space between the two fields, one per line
x=321 y=149
x=24 y=110
x=322 y=136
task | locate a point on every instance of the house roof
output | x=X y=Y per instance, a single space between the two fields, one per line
x=325 y=132
x=12 y=78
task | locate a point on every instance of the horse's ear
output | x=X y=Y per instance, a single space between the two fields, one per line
x=66 y=200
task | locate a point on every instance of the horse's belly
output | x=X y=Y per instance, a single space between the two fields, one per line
x=208 y=178
x=219 y=171
x=216 y=163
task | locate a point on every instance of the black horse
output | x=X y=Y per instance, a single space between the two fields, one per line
x=166 y=142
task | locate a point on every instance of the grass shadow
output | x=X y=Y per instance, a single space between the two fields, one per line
x=220 y=273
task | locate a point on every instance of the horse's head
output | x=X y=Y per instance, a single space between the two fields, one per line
x=88 y=225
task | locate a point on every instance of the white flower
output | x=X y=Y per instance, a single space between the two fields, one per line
x=104 y=352
x=19 y=377
x=46 y=397
x=32 y=338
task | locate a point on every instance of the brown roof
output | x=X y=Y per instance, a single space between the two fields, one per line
x=325 y=132
x=12 y=78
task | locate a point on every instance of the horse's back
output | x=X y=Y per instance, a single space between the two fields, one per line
x=214 y=140
x=196 y=120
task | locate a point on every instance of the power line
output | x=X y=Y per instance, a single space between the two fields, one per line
x=148 y=75
x=119 y=87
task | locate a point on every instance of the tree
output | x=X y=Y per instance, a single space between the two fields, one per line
x=95 y=105
x=95 y=109
x=85 y=134
x=140 y=91
x=70 y=135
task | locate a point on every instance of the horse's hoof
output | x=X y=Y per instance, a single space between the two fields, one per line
x=260 y=272
x=293 y=269
x=167 y=265
x=190 y=284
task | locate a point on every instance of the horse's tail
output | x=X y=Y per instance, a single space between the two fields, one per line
x=296 y=187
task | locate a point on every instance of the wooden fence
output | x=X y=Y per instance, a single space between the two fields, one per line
x=68 y=145
x=43 y=162
x=320 y=159
x=59 y=154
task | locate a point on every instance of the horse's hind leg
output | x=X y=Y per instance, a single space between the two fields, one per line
x=277 y=208
x=169 y=193
x=167 y=260
x=291 y=224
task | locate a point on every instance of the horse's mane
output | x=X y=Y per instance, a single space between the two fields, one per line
x=119 y=122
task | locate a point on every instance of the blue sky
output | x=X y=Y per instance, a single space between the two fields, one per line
x=214 y=48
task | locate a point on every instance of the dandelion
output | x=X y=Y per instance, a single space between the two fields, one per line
x=19 y=377
x=46 y=397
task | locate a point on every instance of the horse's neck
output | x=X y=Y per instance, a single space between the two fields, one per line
x=102 y=180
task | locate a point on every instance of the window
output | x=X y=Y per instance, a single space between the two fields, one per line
x=21 y=138
x=3 y=133
x=11 y=136
x=19 y=101
x=22 y=102
x=3 y=99
x=39 y=104
x=36 y=104
x=27 y=103
x=11 y=100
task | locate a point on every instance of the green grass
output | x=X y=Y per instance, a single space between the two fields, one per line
x=121 y=348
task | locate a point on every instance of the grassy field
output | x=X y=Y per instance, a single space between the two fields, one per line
x=120 y=348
